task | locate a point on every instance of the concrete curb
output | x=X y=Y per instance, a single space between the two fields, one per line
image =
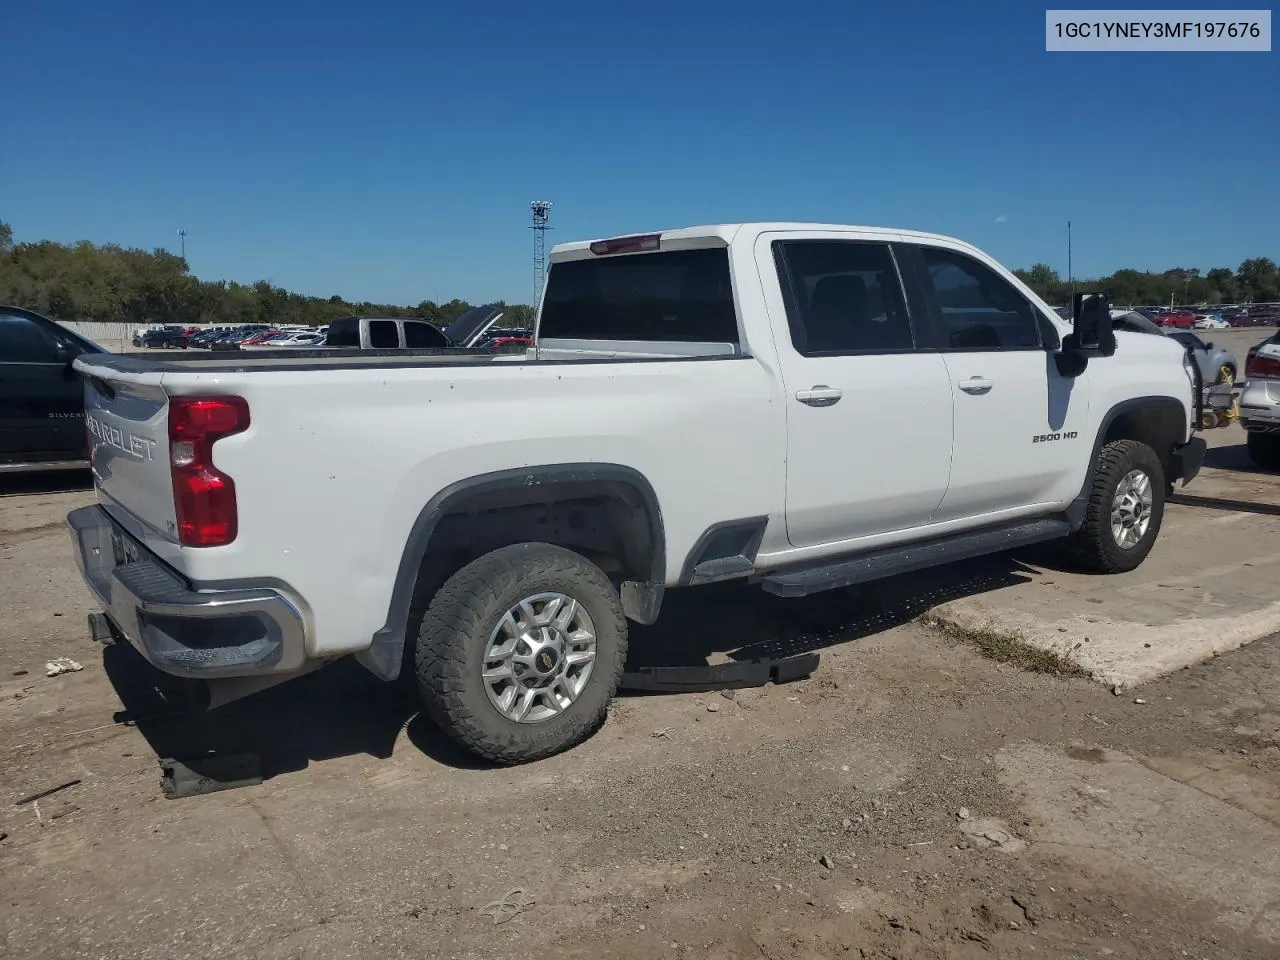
x=1116 y=652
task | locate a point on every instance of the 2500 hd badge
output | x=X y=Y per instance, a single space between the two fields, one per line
x=1048 y=437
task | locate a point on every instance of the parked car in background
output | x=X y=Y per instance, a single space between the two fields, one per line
x=502 y=344
x=1211 y=321
x=171 y=337
x=42 y=423
x=260 y=337
x=1217 y=365
x=1260 y=402
x=286 y=340
x=206 y=336
x=395 y=333
x=1180 y=319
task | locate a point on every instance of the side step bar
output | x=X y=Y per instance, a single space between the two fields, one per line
x=890 y=561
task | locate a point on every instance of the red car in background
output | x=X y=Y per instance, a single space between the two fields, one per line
x=1181 y=319
x=258 y=337
x=509 y=343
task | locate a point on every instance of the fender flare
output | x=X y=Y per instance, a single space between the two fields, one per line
x=385 y=652
x=1076 y=509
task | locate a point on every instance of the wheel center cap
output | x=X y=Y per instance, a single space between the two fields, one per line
x=546 y=660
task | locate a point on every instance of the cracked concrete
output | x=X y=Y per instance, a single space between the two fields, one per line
x=1208 y=587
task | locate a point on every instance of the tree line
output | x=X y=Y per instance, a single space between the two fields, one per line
x=106 y=282
x=1254 y=281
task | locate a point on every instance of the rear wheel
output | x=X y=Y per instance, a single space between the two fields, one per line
x=521 y=651
x=1125 y=509
x=1264 y=449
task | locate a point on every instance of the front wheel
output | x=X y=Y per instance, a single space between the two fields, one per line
x=521 y=651
x=1125 y=509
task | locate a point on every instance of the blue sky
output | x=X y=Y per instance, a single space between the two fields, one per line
x=389 y=151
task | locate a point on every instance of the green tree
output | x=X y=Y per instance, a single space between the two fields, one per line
x=1223 y=284
x=1259 y=280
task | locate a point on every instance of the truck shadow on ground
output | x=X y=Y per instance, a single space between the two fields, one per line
x=342 y=710
x=1235 y=458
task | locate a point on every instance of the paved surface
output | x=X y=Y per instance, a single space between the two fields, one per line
x=1209 y=586
x=964 y=809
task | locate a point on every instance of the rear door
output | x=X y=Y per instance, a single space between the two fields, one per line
x=868 y=405
x=1020 y=426
x=41 y=397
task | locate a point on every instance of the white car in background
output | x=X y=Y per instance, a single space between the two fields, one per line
x=1211 y=321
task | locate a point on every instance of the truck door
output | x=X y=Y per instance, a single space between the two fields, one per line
x=868 y=413
x=1020 y=427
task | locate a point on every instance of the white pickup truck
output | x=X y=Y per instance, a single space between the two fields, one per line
x=804 y=406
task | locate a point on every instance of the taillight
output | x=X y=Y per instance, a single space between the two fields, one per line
x=204 y=498
x=1262 y=366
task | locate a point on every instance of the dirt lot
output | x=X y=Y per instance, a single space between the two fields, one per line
x=912 y=800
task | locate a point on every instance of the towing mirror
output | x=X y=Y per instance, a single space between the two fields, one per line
x=1093 y=335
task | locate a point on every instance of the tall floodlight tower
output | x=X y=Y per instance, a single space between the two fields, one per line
x=541 y=215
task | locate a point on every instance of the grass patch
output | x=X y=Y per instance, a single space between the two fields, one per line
x=1004 y=647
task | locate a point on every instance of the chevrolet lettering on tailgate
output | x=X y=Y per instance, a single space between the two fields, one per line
x=135 y=445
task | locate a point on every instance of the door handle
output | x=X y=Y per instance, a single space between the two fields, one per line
x=819 y=395
x=976 y=386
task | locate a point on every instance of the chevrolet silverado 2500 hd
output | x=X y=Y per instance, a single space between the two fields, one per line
x=804 y=406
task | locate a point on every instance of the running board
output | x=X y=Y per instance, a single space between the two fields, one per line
x=890 y=561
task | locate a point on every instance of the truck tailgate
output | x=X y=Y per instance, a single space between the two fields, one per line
x=126 y=416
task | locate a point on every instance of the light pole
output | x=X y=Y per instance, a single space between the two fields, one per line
x=182 y=236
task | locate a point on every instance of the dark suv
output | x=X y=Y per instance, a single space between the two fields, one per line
x=41 y=397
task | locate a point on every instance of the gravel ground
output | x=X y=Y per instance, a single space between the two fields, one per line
x=911 y=800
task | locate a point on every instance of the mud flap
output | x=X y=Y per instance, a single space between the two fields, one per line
x=720 y=676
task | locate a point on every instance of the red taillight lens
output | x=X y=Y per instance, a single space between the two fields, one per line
x=204 y=499
x=1262 y=366
x=641 y=243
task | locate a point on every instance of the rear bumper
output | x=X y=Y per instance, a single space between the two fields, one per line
x=237 y=630
x=1260 y=404
x=1187 y=460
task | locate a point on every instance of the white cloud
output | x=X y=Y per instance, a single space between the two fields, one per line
x=1001 y=218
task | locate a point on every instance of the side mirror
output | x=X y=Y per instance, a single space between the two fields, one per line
x=1093 y=334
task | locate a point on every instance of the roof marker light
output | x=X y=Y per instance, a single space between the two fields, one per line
x=640 y=243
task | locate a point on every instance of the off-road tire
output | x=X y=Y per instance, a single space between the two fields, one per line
x=455 y=632
x=1264 y=449
x=1093 y=547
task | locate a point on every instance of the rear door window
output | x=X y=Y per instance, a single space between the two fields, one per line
x=677 y=295
x=383 y=334
x=843 y=297
x=418 y=333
